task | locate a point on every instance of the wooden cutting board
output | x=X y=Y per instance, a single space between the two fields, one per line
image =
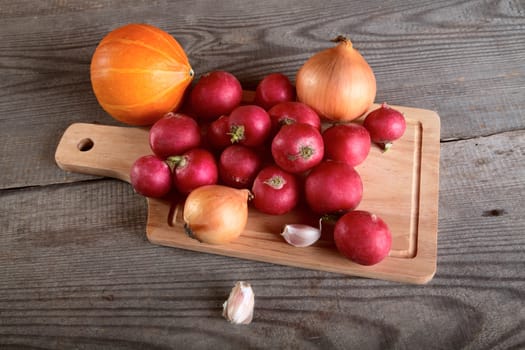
x=401 y=186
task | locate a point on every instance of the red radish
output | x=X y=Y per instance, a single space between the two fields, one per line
x=297 y=147
x=290 y=112
x=333 y=187
x=362 y=237
x=193 y=169
x=274 y=88
x=238 y=166
x=217 y=133
x=186 y=107
x=215 y=94
x=385 y=125
x=348 y=143
x=275 y=191
x=249 y=125
x=174 y=134
x=150 y=176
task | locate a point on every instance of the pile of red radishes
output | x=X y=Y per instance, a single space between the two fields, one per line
x=274 y=146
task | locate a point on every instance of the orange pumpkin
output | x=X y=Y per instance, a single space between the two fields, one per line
x=138 y=73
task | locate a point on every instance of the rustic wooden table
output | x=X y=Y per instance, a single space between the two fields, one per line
x=77 y=271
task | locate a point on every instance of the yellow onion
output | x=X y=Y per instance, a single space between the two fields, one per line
x=216 y=214
x=337 y=82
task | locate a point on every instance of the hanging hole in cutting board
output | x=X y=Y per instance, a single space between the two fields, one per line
x=85 y=145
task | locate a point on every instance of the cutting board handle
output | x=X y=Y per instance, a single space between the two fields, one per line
x=101 y=150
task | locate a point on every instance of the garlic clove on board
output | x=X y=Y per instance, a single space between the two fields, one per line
x=300 y=235
x=238 y=309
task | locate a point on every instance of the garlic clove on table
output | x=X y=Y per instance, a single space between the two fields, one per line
x=238 y=309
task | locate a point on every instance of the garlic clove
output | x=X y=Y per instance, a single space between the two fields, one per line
x=238 y=309
x=300 y=235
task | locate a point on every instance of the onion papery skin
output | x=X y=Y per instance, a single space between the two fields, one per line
x=216 y=214
x=338 y=83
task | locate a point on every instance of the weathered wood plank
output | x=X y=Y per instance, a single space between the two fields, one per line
x=464 y=60
x=78 y=270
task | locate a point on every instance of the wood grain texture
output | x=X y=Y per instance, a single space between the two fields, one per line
x=467 y=57
x=77 y=271
x=81 y=272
